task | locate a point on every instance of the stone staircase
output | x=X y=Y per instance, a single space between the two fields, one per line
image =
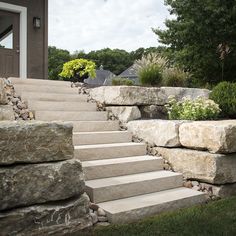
x=120 y=177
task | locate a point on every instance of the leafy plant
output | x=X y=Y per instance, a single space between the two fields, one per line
x=78 y=68
x=225 y=95
x=175 y=77
x=150 y=69
x=122 y=81
x=198 y=109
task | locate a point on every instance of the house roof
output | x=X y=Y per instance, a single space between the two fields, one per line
x=130 y=72
x=101 y=76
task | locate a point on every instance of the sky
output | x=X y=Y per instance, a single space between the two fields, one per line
x=96 y=24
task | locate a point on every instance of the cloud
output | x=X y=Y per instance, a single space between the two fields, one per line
x=96 y=24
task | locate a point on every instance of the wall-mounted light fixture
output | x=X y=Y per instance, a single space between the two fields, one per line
x=37 y=22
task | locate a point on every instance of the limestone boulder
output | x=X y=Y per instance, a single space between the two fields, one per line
x=35 y=142
x=3 y=96
x=202 y=166
x=57 y=218
x=215 y=136
x=163 y=133
x=25 y=185
x=135 y=95
x=125 y=113
x=226 y=190
x=6 y=112
x=153 y=112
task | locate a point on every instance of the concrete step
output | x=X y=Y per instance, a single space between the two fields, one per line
x=20 y=88
x=135 y=208
x=27 y=96
x=95 y=126
x=61 y=106
x=70 y=115
x=109 y=151
x=121 y=166
x=108 y=189
x=105 y=137
x=41 y=82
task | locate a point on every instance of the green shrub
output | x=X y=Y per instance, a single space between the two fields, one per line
x=150 y=69
x=225 y=95
x=150 y=75
x=122 y=81
x=198 y=109
x=78 y=68
x=175 y=77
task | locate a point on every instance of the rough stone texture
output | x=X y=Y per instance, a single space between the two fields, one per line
x=134 y=95
x=25 y=185
x=153 y=112
x=125 y=113
x=35 y=142
x=215 y=136
x=6 y=113
x=59 y=218
x=3 y=96
x=222 y=191
x=164 y=133
x=202 y=166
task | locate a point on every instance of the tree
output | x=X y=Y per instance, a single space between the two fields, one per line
x=56 y=59
x=195 y=34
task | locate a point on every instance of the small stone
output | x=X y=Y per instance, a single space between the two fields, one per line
x=94 y=217
x=101 y=212
x=14 y=100
x=102 y=219
x=31 y=115
x=196 y=188
x=188 y=184
x=166 y=166
x=103 y=224
x=21 y=105
x=93 y=206
x=195 y=183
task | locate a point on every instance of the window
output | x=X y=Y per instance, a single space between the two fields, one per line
x=6 y=32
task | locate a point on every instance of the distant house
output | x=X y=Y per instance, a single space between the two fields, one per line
x=131 y=74
x=101 y=77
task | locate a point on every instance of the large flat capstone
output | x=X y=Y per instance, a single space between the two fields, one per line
x=35 y=141
x=163 y=133
x=215 y=136
x=134 y=95
x=203 y=166
x=59 y=218
x=25 y=185
x=3 y=97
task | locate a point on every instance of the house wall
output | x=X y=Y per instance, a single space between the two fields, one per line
x=37 y=55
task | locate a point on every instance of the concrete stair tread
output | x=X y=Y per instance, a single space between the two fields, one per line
x=126 y=179
x=71 y=115
x=108 y=145
x=103 y=132
x=41 y=96
x=95 y=126
x=61 y=106
x=59 y=83
x=119 y=160
x=149 y=200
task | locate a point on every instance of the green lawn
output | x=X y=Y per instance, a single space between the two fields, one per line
x=215 y=218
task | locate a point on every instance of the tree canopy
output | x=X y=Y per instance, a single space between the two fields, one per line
x=201 y=38
x=115 y=60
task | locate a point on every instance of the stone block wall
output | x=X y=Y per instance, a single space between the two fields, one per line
x=132 y=102
x=204 y=151
x=11 y=105
x=42 y=186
